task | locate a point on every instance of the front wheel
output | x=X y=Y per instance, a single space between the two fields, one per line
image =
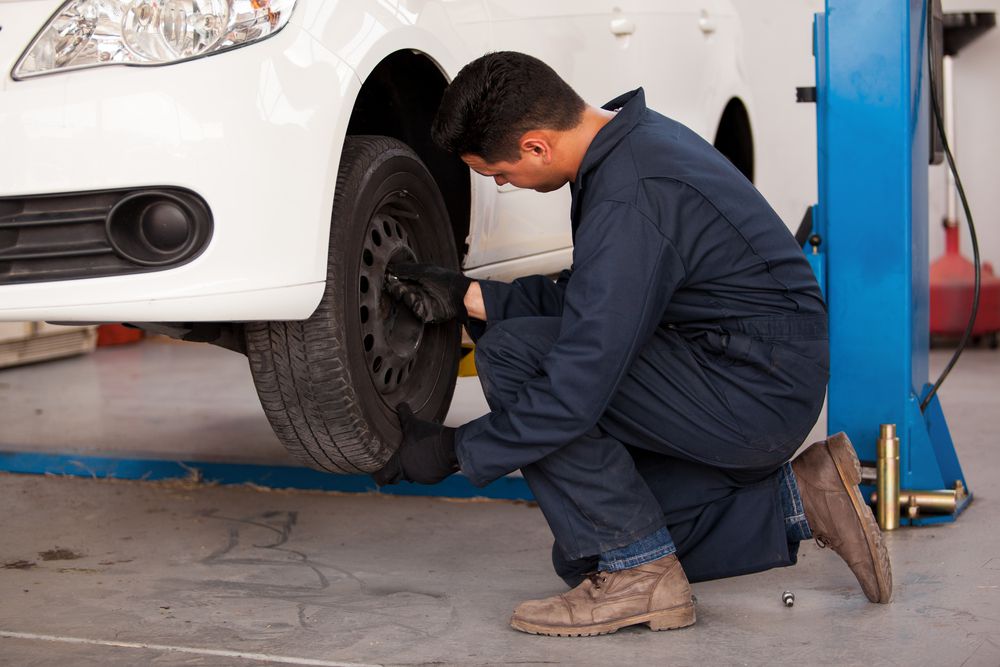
x=330 y=384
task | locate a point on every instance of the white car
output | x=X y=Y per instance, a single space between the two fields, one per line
x=241 y=172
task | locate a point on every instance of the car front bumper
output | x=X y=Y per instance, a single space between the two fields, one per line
x=256 y=132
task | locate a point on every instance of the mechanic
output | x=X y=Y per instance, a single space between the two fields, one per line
x=653 y=395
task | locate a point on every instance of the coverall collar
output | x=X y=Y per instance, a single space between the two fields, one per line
x=631 y=106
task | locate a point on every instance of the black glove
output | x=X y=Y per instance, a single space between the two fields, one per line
x=426 y=456
x=433 y=293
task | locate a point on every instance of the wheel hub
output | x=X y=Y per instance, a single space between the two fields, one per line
x=390 y=332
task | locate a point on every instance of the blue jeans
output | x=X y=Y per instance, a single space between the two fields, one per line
x=659 y=544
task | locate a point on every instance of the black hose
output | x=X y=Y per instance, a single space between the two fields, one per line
x=939 y=121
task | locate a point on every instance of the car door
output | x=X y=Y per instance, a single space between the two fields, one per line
x=676 y=53
x=602 y=48
x=572 y=36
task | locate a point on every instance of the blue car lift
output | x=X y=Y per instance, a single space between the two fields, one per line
x=873 y=128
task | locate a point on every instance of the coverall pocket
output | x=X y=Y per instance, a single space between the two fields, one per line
x=775 y=392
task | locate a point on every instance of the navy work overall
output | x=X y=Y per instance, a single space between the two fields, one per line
x=665 y=378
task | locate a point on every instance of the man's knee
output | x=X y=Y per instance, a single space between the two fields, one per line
x=520 y=341
x=510 y=353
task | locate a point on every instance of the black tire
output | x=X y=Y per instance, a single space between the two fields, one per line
x=330 y=384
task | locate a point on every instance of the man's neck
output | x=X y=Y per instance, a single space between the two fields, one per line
x=578 y=140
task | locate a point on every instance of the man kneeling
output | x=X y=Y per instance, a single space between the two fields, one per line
x=653 y=395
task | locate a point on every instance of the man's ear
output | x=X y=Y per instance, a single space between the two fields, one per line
x=536 y=144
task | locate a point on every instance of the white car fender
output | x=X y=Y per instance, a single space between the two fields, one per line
x=364 y=34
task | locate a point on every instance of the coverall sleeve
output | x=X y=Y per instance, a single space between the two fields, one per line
x=625 y=272
x=531 y=296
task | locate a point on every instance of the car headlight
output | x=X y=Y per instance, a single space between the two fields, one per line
x=92 y=33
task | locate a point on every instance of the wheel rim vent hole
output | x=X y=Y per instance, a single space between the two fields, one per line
x=369 y=344
x=364 y=284
x=368 y=257
x=377 y=364
x=364 y=314
x=376 y=237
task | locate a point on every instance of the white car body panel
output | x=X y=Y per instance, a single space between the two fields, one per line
x=257 y=132
x=577 y=38
x=172 y=126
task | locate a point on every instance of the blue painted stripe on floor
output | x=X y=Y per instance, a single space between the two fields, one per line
x=276 y=477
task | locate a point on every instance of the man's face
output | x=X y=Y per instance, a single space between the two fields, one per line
x=531 y=171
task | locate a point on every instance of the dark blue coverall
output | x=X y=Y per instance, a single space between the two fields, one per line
x=666 y=377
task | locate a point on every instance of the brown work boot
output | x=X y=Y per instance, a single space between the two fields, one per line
x=657 y=594
x=828 y=474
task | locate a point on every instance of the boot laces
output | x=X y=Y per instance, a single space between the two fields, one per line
x=598 y=579
x=821 y=542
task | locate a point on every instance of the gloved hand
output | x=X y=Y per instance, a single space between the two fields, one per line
x=433 y=293
x=426 y=456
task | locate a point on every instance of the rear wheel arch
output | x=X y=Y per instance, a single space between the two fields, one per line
x=734 y=137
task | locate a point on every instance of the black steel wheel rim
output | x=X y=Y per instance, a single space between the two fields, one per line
x=391 y=335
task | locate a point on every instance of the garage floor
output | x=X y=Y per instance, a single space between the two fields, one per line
x=180 y=573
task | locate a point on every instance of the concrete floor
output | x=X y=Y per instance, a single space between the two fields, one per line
x=124 y=573
x=158 y=399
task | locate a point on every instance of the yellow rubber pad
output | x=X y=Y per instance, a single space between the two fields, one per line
x=467 y=366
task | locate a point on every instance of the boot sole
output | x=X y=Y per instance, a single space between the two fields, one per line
x=849 y=468
x=665 y=619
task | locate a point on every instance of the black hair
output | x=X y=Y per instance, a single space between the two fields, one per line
x=498 y=97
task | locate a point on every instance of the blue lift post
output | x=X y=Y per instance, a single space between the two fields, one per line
x=873 y=115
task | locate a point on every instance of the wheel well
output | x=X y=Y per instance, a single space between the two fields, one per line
x=734 y=138
x=399 y=99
